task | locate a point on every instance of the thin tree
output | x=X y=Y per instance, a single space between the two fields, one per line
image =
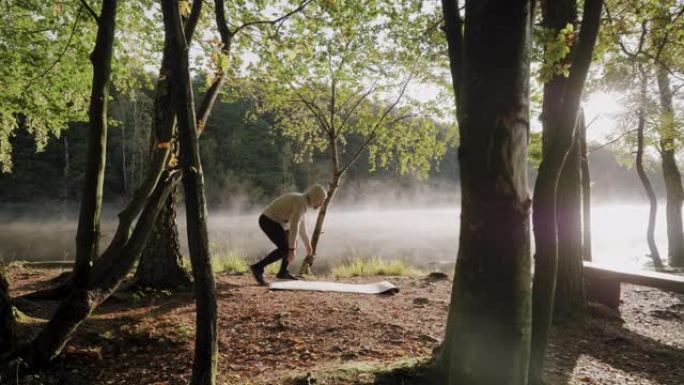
x=671 y=174
x=660 y=47
x=650 y=193
x=161 y=262
x=488 y=328
x=586 y=191
x=570 y=300
x=559 y=118
x=342 y=95
x=88 y=231
x=206 y=339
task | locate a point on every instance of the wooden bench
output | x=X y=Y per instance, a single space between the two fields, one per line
x=603 y=282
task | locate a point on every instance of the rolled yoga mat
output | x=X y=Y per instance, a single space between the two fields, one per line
x=383 y=287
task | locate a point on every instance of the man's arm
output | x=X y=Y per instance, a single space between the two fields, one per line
x=295 y=225
x=304 y=234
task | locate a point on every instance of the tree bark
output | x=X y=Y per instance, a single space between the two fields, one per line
x=559 y=117
x=652 y=200
x=117 y=262
x=488 y=327
x=671 y=174
x=318 y=227
x=66 y=167
x=332 y=190
x=161 y=264
x=454 y=35
x=586 y=191
x=124 y=177
x=88 y=232
x=206 y=345
x=570 y=300
x=7 y=321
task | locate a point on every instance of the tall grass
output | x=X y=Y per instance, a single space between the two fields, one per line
x=234 y=262
x=360 y=267
x=229 y=262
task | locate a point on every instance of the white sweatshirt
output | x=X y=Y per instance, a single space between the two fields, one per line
x=290 y=208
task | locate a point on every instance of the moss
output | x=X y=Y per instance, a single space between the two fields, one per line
x=414 y=371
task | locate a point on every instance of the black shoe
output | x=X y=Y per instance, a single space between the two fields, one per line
x=258 y=275
x=286 y=275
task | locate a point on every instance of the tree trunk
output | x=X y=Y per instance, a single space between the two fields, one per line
x=7 y=322
x=570 y=301
x=206 y=346
x=124 y=178
x=163 y=120
x=332 y=190
x=88 y=232
x=454 y=35
x=124 y=249
x=117 y=262
x=67 y=166
x=652 y=200
x=318 y=228
x=559 y=118
x=161 y=265
x=673 y=179
x=453 y=29
x=586 y=190
x=488 y=327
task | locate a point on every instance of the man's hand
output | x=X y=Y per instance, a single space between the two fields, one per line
x=290 y=255
x=309 y=250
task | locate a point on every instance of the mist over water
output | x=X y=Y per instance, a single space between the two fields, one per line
x=425 y=236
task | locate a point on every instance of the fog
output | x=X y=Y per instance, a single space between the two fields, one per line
x=426 y=235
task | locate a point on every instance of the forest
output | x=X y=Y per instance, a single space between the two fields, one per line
x=459 y=192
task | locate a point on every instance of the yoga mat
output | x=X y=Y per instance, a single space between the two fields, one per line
x=383 y=287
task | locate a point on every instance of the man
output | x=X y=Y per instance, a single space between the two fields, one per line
x=288 y=209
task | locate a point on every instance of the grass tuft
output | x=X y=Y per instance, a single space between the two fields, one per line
x=229 y=262
x=359 y=267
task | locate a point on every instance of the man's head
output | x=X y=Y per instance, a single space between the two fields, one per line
x=316 y=195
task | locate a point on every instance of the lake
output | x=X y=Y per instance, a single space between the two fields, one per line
x=425 y=236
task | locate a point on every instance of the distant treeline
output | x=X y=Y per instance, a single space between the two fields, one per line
x=243 y=157
x=245 y=161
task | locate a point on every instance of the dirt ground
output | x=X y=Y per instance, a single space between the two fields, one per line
x=269 y=337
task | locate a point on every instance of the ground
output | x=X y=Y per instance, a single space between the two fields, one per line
x=270 y=337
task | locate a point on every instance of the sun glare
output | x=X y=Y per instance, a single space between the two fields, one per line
x=601 y=110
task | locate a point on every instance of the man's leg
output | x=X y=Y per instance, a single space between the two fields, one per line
x=275 y=232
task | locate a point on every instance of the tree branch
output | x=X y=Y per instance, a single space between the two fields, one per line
x=222 y=25
x=358 y=152
x=61 y=54
x=453 y=29
x=374 y=130
x=333 y=95
x=191 y=24
x=301 y=6
x=591 y=21
x=90 y=10
x=356 y=104
x=316 y=111
x=611 y=141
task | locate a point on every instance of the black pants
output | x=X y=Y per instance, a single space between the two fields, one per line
x=278 y=235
